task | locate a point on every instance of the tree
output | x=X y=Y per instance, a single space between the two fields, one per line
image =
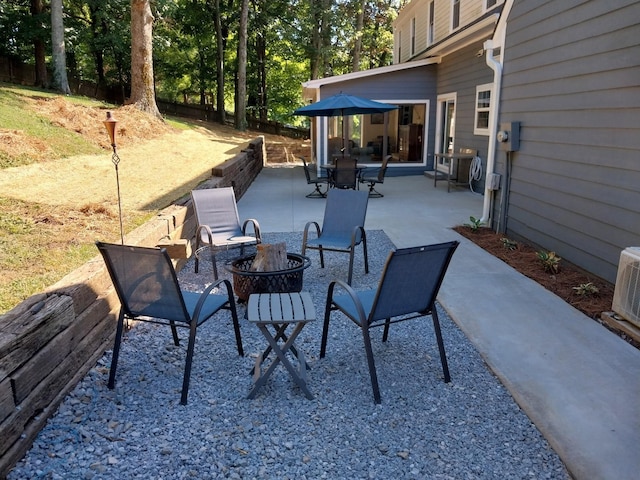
x=142 y=82
x=241 y=88
x=220 y=43
x=39 y=48
x=60 y=81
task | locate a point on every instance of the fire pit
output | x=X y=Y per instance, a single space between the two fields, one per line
x=246 y=282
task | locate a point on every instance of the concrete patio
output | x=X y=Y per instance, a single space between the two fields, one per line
x=577 y=382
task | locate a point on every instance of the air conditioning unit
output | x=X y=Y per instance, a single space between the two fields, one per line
x=626 y=296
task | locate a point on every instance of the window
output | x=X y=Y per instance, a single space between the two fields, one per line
x=483 y=108
x=431 y=24
x=455 y=14
x=490 y=3
x=413 y=36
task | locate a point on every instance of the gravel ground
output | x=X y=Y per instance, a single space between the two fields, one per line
x=470 y=428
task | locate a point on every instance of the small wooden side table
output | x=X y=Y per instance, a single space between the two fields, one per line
x=279 y=311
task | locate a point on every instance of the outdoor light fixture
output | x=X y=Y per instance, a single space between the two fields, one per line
x=110 y=125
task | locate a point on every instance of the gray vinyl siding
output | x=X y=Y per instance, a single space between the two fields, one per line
x=460 y=73
x=572 y=78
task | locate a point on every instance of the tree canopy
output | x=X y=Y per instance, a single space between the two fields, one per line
x=198 y=51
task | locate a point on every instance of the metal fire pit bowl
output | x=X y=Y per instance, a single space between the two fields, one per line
x=246 y=282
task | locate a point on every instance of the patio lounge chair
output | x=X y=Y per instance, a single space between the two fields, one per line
x=342 y=227
x=219 y=225
x=148 y=289
x=311 y=173
x=409 y=285
x=375 y=178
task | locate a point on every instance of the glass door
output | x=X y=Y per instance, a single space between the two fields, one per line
x=446 y=129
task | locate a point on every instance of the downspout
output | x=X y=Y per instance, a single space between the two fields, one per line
x=496 y=66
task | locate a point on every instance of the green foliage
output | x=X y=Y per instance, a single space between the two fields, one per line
x=509 y=244
x=586 y=290
x=475 y=223
x=549 y=260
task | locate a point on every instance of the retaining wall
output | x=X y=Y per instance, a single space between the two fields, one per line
x=51 y=340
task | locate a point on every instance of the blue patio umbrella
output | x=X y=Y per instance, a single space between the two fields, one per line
x=343 y=104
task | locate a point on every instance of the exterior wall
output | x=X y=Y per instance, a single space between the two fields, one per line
x=470 y=10
x=571 y=77
x=460 y=73
x=414 y=84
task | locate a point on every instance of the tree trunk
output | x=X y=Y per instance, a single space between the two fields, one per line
x=39 y=50
x=357 y=47
x=241 y=87
x=142 y=86
x=222 y=114
x=60 y=81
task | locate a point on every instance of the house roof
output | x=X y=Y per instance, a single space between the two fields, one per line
x=311 y=87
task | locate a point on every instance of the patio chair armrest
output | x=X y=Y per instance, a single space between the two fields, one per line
x=207 y=292
x=306 y=230
x=256 y=229
x=361 y=320
x=354 y=235
x=207 y=231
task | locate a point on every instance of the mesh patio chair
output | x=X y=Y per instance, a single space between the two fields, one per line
x=311 y=173
x=219 y=225
x=374 y=179
x=148 y=289
x=345 y=174
x=407 y=289
x=342 y=227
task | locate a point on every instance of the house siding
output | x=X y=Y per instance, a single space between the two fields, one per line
x=470 y=10
x=413 y=84
x=461 y=72
x=572 y=78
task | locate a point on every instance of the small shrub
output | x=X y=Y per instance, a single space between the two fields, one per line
x=475 y=223
x=550 y=261
x=509 y=244
x=586 y=289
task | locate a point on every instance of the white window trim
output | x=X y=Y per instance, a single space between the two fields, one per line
x=484 y=5
x=412 y=47
x=453 y=29
x=431 y=27
x=482 y=88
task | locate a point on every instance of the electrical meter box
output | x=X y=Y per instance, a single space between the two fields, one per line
x=509 y=136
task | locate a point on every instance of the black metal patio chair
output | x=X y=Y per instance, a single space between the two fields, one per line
x=375 y=178
x=410 y=282
x=147 y=287
x=311 y=173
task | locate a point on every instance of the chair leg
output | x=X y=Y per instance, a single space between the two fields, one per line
x=351 y=255
x=327 y=317
x=174 y=333
x=188 y=363
x=443 y=356
x=236 y=324
x=373 y=193
x=364 y=249
x=385 y=332
x=317 y=193
x=116 y=351
x=372 y=365
x=213 y=262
